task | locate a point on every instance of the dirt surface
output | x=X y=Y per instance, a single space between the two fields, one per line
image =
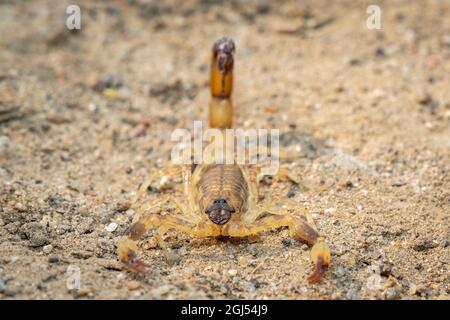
x=85 y=116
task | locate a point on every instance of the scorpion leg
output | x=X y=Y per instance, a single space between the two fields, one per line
x=169 y=172
x=285 y=174
x=299 y=228
x=127 y=247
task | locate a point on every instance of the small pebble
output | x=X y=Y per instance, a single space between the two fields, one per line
x=92 y=107
x=111 y=227
x=392 y=294
x=412 y=289
x=339 y=271
x=109 y=81
x=82 y=254
x=253 y=250
x=53 y=259
x=36 y=234
x=346 y=184
x=63 y=228
x=47 y=249
x=379 y=52
x=164 y=184
x=20 y=207
x=56 y=118
x=429 y=125
x=84 y=292
x=287 y=242
x=123 y=206
x=173 y=257
x=133 y=285
x=354 y=61
x=65 y=156
x=162 y=290
x=243 y=262
x=232 y=272
x=291 y=193
x=425 y=245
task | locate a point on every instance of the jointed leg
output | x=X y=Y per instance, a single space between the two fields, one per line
x=170 y=172
x=299 y=228
x=285 y=174
x=127 y=247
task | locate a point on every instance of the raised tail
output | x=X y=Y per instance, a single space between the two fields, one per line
x=221 y=85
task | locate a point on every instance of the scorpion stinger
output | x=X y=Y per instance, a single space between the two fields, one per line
x=221 y=84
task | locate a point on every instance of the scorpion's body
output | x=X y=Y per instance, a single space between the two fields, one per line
x=220 y=199
x=221 y=181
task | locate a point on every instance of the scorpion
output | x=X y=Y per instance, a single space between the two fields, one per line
x=220 y=200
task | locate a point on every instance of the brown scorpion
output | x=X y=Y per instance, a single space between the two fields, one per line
x=220 y=200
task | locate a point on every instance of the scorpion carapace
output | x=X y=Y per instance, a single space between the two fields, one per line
x=219 y=199
x=221 y=191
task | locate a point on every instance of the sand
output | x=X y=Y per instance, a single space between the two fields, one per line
x=85 y=117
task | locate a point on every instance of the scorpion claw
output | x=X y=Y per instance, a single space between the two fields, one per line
x=320 y=254
x=318 y=272
x=135 y=264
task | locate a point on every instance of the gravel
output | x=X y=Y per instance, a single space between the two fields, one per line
x=36 y=234
x=111 y=227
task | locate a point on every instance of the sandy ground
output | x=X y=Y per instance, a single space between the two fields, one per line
x=85 y=116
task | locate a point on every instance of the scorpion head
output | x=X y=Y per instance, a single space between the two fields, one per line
x=220 y=211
